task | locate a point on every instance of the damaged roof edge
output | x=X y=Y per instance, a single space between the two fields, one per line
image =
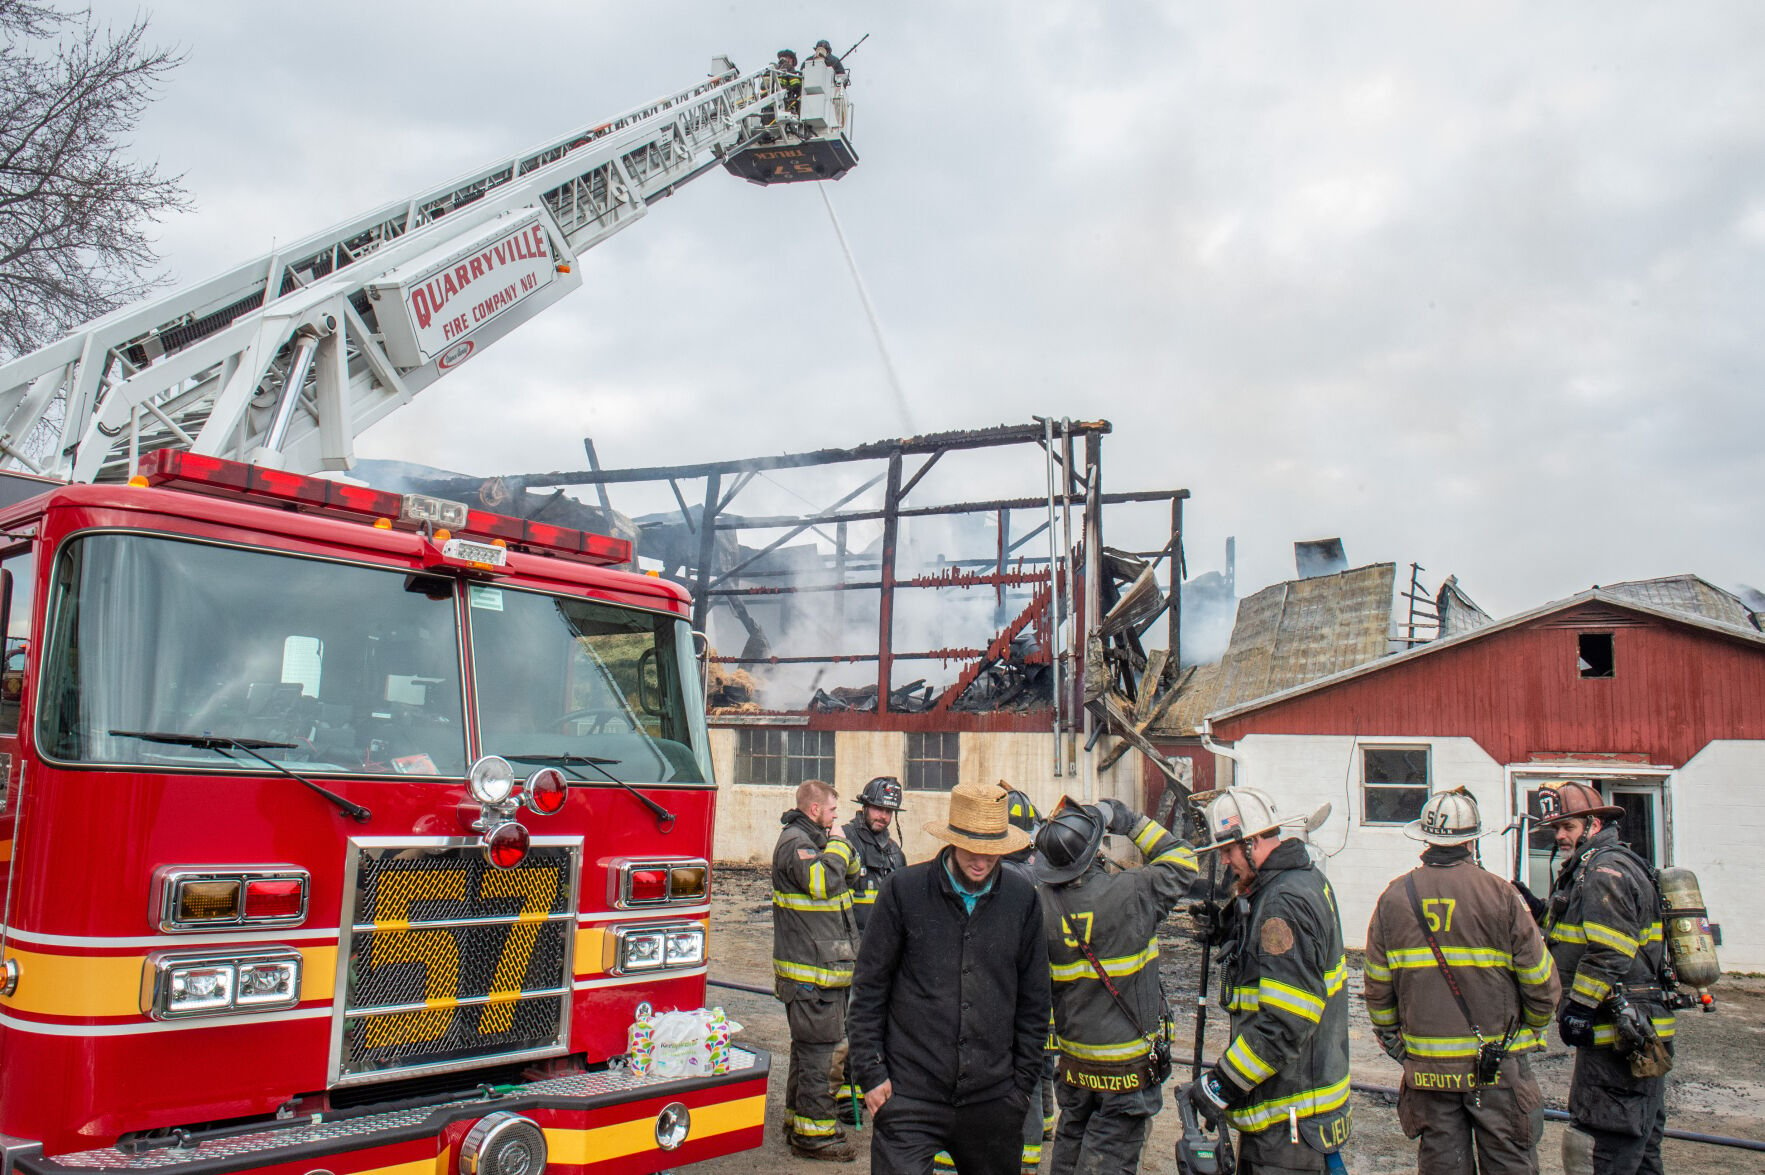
x=1592 y=595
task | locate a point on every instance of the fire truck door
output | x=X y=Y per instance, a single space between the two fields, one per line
x=17 y=578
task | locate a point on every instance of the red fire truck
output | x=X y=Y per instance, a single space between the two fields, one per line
x=342 y=830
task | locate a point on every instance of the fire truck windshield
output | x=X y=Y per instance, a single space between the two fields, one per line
x=558 y=676
x=358 y=667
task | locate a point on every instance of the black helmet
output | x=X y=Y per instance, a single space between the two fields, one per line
x=1021 y=812
x=824 y=45
x=1068 y=843
x=790 y=53
x=882 y=792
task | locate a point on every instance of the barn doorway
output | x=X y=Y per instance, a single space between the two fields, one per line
x=1644 y=825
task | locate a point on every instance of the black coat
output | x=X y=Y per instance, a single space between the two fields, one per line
x=951 y=1007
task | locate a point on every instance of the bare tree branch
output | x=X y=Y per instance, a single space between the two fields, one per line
x=75 y=209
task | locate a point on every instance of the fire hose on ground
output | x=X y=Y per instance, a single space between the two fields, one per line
x=1745 y=1144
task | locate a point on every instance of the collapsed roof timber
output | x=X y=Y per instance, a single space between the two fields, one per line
x=780 y=599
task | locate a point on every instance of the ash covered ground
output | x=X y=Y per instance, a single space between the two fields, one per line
x=1717 y=1085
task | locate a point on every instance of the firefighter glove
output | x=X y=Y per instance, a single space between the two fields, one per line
x=1121 y=818
x=1391 y=1040
x=1209 y=922
x=1207 y=1094
x=1575 y=1024
x=1534 y=904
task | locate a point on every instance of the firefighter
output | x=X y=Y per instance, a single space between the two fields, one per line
x=1023 y=814
x=1603 y=924
x=1283 y=1080
x=1468 y=1093
x=879 y=855
x=824 y=52
x=814 y=949
x=1110 y=1042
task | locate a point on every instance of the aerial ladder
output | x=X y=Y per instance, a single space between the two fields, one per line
x=285 y=360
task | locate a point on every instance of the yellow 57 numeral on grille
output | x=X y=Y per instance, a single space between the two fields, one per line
x=437 y=952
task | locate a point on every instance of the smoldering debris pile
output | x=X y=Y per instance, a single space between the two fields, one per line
x=913 y=698
x=730 y=690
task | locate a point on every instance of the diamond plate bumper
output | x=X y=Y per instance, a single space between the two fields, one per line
x=601 y=1122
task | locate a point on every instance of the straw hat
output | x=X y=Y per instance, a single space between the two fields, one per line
x=980 y=821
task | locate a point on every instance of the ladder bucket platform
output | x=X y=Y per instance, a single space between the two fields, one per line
x=793 y=162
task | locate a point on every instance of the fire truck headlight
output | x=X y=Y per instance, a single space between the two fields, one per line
x=271 y=984
x=641 y=950
x=198 y=989
x=215 y=983
x=491 y=780
x=685 y=948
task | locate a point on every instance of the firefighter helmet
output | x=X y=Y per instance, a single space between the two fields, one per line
x=882 y=792
x=790 y=53
x=1448 y=818
x=1244 y=813
x=824 y=45
x=1068 y=843
x=1572 y=800
x=1021 y=812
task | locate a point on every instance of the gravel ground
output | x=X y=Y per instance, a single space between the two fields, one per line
x=1717 y=1086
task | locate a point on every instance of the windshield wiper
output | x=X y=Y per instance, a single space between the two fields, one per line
x=222 y=744
x=664 y=818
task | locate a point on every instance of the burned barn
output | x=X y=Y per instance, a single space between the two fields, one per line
x=897 y=624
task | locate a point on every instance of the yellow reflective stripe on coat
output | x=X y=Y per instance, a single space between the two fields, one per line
x=1378 y=972
x=1599 y=934
x=1567 y=932
x=821 y=905
x=1116 y=967
x=867 y=898
x=1305 y=1005
x=1383 y=1017
x=1179 y=854
x=1305 y=1104
x=1535 y=976
x=1243 y=1060
x=1594 y=989
x=1243 y=999
x=1605 y=1034
x=1451 y=1047
x=1421 y=958
x=808 y=973
x=818 y=879
x=1336 y=977
x=1127 y=1050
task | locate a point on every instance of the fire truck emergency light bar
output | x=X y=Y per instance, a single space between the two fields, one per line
x=180 y=468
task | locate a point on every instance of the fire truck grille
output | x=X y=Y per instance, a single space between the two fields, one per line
x=451 y=962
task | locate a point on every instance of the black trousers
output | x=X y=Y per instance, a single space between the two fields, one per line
x=1102 y=1133
x=817 y=1019
x=983 y=1138
x=1625 y=1116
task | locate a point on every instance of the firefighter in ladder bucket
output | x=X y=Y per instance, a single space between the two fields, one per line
x=1460 y=989
x=1283 y=1080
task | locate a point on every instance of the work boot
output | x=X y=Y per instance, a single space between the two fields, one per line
x=837 y=1151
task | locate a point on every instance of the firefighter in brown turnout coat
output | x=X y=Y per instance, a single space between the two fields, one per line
x=1463 y=1021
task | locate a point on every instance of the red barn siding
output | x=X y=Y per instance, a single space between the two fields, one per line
x=1519 y=694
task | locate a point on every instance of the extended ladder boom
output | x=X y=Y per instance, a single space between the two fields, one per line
x=285 y=360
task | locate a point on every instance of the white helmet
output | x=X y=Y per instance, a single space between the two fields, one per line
x=1448 y=818
x=1243 y=813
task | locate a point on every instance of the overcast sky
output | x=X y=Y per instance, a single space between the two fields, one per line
x=1474 y=285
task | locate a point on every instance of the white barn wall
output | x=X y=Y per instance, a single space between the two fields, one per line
x=1303 y=771
x=1718 y=827
x=747 y=814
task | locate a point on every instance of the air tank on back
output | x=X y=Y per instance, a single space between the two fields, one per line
x=1690 y=940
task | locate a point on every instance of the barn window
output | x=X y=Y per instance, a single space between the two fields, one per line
x=1394 y=784
x=931 y=760
x=786 y=757
x=1594 y=654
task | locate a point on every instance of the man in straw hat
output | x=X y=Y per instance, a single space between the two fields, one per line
x=950 y=1001
x=1283 y=1080
x=1462 y=1020
x=1604 y=930
x=814 y=945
